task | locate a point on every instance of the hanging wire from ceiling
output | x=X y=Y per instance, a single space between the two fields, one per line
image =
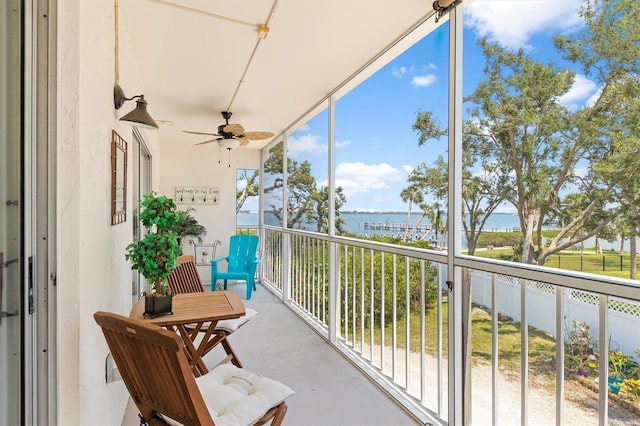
x=202 y=12
x=263 y=30
x=116 y=48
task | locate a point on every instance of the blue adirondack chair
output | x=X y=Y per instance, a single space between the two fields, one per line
x=242 y=262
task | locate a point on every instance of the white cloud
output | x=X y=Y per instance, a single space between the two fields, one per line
x=399 y=72
x=359 y=178
x=423 y=80
x=582 y=88
x=581 y=171
x=342 y=144
x=305 y=144
x=594 y=97
x=303 y=128
x=506 y=208
x=512 y=23
x=310 y=144
x=407 y=169
x=421 y=76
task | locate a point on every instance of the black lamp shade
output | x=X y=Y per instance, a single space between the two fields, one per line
x=139 y=117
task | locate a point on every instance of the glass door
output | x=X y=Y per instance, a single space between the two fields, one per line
x=11 y=204
x=141 y=165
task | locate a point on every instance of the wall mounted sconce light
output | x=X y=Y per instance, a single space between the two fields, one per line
x=139 y=117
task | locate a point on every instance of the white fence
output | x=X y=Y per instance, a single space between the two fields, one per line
x=624 y=315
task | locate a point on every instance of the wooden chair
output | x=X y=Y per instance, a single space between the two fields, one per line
x=242 y=262
x=155 y=370
x=186 y=279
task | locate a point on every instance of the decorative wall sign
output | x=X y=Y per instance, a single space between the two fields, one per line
x=197 y=195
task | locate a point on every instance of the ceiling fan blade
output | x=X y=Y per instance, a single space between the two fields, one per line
x=258 y=135
x=234 y=129
x=209 y=141
x=243 y=141
x=200 y=133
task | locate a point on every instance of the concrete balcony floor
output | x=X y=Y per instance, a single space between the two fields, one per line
x=329 y=389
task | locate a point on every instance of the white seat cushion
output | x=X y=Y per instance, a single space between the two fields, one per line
x=235 y=396
x=232 y=325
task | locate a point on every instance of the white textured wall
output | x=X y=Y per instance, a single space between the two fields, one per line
x=197 y=166
x=92 y=272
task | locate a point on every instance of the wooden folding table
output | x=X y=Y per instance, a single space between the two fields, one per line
x=193 y=312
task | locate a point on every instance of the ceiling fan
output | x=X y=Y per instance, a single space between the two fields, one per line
x=232 y=135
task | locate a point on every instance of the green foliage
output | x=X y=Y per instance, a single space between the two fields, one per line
x=630 y=387
x=250 y=187
x=390 y=277
x=307 y=202
x=580 y=350
x=499 y=239
x=158 y=210
x=622 y=365
x=581 y=357
x=155 y=256
x=187 y=226
x=523 y=147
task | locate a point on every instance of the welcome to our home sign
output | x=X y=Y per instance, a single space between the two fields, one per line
x=197 y=195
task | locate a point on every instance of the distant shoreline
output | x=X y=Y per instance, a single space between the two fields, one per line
x=370 y=212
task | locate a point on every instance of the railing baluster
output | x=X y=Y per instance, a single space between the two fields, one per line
x=371 y=303
x=407 y=321
x=394 y=324
x=362 y=300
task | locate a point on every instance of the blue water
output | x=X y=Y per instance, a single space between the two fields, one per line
x=356 y=223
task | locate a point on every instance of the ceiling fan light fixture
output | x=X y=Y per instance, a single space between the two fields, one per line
x=228 y=143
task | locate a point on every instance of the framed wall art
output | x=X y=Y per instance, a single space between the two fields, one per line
x=118 y=179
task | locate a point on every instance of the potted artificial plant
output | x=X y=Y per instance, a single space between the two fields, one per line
x=187 y=226
x=156 y=255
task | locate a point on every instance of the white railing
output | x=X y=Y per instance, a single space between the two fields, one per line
x=391 y=317
x=578 y=306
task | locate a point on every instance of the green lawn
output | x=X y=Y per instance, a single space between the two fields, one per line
x=613 y=264
x=541 y=345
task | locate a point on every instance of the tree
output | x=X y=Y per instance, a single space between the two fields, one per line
x=516 y=119
x=480 y=192
x=411 y=195
x=250 y=188
x=607 y=50
x=300 y=186
x=529 y=147
x=430 y=183
x=307 y=202
x=320 y=211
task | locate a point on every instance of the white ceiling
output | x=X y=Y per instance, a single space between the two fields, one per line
x=192 y=55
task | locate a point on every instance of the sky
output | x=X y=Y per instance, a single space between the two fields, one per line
x=376 y=148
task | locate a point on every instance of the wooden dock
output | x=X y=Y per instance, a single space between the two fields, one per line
x=389 y=226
